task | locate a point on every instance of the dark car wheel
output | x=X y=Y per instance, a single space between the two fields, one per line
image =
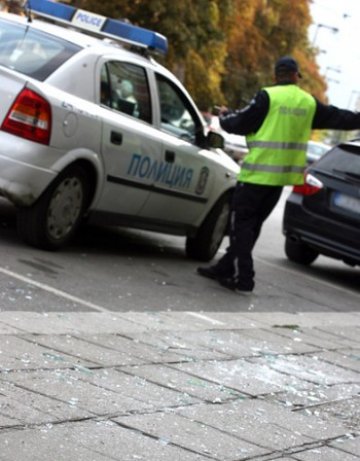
x=53 y=219
x=205 y=244
x=299 y=252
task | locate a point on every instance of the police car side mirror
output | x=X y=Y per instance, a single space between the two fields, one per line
x=215 y=140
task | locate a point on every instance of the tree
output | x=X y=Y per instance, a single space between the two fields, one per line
x=261 y=32
x=224 y=50
x=197 y=42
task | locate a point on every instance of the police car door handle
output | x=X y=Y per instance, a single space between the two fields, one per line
x=169 y=156
x=116 y=138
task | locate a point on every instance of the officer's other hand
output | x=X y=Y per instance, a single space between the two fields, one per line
x=219 y=110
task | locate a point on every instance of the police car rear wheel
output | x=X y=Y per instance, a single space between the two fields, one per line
x=53 y=219
x=205 y=244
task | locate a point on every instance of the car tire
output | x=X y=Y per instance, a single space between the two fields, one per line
x=53 y=219
x=207 y=240
x=299 y=252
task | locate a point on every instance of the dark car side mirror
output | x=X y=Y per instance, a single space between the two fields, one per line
x=215 y=140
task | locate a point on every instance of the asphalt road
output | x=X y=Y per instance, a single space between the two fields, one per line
x=122 y=270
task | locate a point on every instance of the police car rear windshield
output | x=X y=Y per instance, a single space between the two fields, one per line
x=32 y=52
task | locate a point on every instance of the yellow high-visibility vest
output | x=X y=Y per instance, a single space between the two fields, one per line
x=277 y=151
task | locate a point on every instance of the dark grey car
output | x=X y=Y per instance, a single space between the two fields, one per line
x=323 y=215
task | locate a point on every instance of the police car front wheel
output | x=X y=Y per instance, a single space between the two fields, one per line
x=55 y=216
x=207 y=240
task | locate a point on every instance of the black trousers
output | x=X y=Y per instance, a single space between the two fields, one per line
x=251 y=205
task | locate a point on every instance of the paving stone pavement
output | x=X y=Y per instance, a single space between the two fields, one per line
x=179 y=386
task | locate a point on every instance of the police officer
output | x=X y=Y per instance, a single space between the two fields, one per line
x=277 y=124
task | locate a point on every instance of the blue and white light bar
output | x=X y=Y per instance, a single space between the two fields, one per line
x=99 y=25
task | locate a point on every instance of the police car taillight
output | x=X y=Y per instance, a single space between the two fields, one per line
x=29 y=117
x=311 y=186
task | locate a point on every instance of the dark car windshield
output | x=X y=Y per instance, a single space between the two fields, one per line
x=31 y=52
x=342 y=159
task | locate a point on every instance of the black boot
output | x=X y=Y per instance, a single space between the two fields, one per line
x=211 y=272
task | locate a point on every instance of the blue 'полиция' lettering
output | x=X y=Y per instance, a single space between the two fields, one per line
x=161 y=172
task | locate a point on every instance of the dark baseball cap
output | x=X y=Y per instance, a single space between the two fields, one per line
x=287 y=64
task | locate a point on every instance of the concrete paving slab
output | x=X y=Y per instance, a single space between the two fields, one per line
x=281 y=458
x=44 y=443
x=7 y=421
x=248 y=421
x=254 y=378
x=307 y=319
x=135 y=349
x=275 y=457
x=194 y=436
x=346 y=412
x=27 y=407
x=337 y=339
x=310 y=336
x=67 y=386
x=269 y=320
x=309 y=368
x=325 y=454
x=18 y=353
x=8 y=330
x=136 y=387
x=230 y=343
x=239 y=343
x=173 y=342
x=184 y=383
x=348 y=334
x=316 y=395
x=274 y=343
x=85 y=348
x=349 y=445
x=178 y=371
x=345 y=358
x=122 y=444
x=248 y=417
x=69 y=322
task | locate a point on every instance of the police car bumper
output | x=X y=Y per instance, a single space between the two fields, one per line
x=23 y=176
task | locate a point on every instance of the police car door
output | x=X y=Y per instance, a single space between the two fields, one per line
x=183 y=180
x=129 y=141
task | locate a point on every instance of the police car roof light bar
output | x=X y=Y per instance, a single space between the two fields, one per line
x=99 y=25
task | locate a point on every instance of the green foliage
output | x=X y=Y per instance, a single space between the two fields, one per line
x=224 y=50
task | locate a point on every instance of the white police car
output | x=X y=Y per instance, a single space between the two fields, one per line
x=90 y=127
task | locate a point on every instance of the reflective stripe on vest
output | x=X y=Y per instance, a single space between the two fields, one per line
x=273 y=168
x=277 y=151
x=278 y=145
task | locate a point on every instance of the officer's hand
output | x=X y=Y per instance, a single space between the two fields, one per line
x=219 y=110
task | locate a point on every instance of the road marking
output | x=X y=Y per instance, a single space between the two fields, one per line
x=294 y=272
x=205 y=317
x=312 y=279
x=54 y=291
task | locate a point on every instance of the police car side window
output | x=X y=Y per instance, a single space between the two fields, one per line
x=105 y=93
x=176 y=117
x=124 y=87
